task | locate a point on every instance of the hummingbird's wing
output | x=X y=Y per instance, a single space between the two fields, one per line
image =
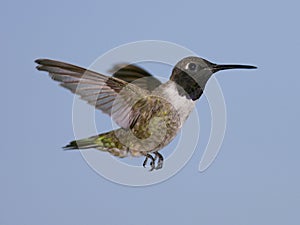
x=111 y=95
x=136 y=75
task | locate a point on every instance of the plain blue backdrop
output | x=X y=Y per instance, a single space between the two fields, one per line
x=255 y=179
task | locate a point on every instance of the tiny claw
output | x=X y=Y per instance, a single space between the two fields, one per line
x=152 y=163
x=159 y=165
x=145 y=162
x=160 y=160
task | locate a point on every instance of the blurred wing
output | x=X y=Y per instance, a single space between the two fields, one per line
x=111 y=95
x=136 y=75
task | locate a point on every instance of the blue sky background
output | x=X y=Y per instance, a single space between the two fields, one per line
x=254 y=180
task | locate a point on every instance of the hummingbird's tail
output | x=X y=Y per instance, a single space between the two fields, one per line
x=82 y=143
x=104 y=142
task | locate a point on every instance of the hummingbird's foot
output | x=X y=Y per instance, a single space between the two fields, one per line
x=160 y=160
x=152 y=163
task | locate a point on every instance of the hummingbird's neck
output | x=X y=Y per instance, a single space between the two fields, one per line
x=187 y=85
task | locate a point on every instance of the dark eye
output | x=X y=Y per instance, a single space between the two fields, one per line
x=192 y=66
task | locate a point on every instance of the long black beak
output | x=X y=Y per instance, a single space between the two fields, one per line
x=216 y=68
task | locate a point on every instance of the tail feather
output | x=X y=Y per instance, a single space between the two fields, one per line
x=102 y=141
x=105 y=142
x=85 y=143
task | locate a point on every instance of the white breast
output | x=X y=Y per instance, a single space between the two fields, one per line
x=183 y=105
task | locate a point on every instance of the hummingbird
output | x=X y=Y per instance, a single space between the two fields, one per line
x=149 y=113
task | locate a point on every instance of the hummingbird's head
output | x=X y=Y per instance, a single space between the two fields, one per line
x=192 y=74
x=194 y=66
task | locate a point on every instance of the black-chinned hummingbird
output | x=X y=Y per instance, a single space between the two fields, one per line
x=149 y=113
